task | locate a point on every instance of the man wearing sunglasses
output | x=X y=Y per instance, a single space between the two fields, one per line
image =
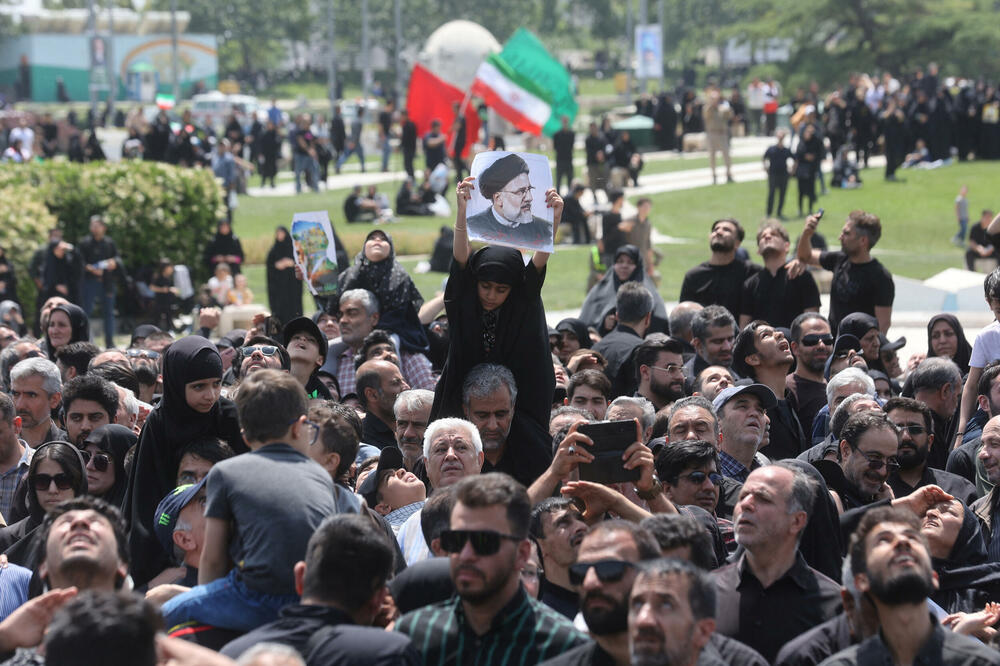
x=869 y=450
x=262 y=352
x=914 y=419
x=603 y=574
x=690 y=475
x=491 y=620
x=812 y=344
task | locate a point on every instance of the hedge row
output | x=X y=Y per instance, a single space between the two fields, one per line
x=152 y=210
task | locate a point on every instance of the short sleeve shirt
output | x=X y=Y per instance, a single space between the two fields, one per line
x=986 y=348
x=777 y=299
x=709 y=284
x=856 y=287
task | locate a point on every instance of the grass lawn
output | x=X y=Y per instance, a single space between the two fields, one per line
x=917 y=216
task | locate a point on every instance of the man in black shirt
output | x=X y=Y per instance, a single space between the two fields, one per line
x=812 y=345
x=860 y=283
x=634 y=305
x=770 y=595
x=713 y=333
x=915 y=423
x=576 y=216
x=612 y=230
x=434 y=146
x=776 y=163
x=719 y=280
x=377 y=384
x=342 y=583
x=558 y=528
x=869 y=450
x=597 y=159
x=407 y=141
x=562 y=142
x=101 y=265
x=771 y=294
x=981 y=244
x=338 y=135
x=385 y=133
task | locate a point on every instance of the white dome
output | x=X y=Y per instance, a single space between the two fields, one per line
x=455 y=50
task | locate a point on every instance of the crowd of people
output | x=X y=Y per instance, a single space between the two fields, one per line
x=739 y=479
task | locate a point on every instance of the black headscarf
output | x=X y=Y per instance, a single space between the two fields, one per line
x=144 y=331
x=604 y=295
x=516 y=333
x=18 y=540
x=115 y=440
x=964 y=351
x=284 y=290
x=578 y=328
x=820 y=541
x=169 y=427
x=398 y=298
x=224 y=245
x=78 y=322
x=966 y=579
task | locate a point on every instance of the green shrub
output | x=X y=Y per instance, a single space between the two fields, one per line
x=152 y=210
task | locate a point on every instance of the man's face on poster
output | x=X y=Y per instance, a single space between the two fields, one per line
x=513 y=202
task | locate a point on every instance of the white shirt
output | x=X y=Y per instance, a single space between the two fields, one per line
x=986 y=348
x=27 y=137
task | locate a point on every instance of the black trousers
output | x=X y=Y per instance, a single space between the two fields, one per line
x=776 y=184
x=563 y=170
x=408 y=156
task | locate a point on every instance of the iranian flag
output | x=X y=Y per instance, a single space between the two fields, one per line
x=432 y=98
x=526 y=85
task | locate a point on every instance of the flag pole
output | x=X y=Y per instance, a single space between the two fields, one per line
x=461 y=114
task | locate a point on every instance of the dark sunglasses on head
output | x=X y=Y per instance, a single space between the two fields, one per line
x=142 y=353
x=62 y=480
x=101 y=460
x=484 y=542
x=698 y=478
x=608 y=571
x=813 y=339
x=266 y=350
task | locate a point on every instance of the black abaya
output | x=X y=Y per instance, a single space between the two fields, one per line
x=284 y=290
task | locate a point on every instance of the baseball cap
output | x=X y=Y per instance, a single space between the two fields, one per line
x=308 y=326
x=169 y=510
x=389 y=460
x=763 y=393
x=844 y=342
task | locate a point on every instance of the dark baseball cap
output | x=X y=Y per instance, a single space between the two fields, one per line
x=886 y=345
x=169 y=510
x=306 y=325
x=389 y=460
x=763 y=393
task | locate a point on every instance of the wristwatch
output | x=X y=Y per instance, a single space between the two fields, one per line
x=653 y=491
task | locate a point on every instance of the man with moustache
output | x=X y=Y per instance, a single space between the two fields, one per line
x=869 y=453
x=505 y=184
x=742 y=414
x=719 y=280
x=713 y=332
x=985 y=507
x=412 y=410
x=914 y=421
x=771 y=294
x=762 y=354
x=660 y=369
x=892 y=567
x=557 y=526
x=812 y=344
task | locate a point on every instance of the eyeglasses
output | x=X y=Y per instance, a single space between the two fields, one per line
x=313 y=429
x=531 y=573
x=520 y=193
x=673 y=368
x=484 y=542
x=142 y=353
x=101 y=460
x=913 y=429
x=698 y=478
x=266 y=350
x=814 y=339
x=62 y=480
x=875 y=461
x=608 y=571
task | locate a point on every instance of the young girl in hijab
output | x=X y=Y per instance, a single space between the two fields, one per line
x=191 y=407
x=67 y=323
x=495 y=315
x=56 y=474
x=376 y=269
x=104 y=452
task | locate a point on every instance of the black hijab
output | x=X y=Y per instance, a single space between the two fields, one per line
x=966 y=578
x=223 y=245
x=603 y=297
x=577 y=328
x=820 y=541
x=115 y=440
x=284 y=290
x=515 y=334
x=964 y=351
x=398 y=298
x=18 y=540
x=78 y=322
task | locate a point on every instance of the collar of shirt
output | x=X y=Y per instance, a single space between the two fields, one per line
x=929 y=653
x=733 y=468
x=509 y=614
x=328 y=614
x=504 y=221
x=399 y=516
x=23 y=463
x=800 y=573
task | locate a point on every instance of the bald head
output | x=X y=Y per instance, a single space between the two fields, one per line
x=378 y=383
x=681 y=317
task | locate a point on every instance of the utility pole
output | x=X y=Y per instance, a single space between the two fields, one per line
x=92 y=30
x=109 y=57
x=366 y=72
x=173 y=53
x=331 y=57
x=661 y=12
x=399 y=51
x=629 y=36
x=643 y=21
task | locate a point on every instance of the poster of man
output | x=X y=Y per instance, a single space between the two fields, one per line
x=315 y=254
x=508 y=204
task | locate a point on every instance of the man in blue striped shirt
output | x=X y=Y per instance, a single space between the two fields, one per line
x=491 y=620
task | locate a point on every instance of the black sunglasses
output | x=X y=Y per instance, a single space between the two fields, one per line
x=101 y=460
x=266 y=350
x=608 y=571
x=891 y=464
x=62 y=480
x=484 y=542
x=698 y=478
x=142 y=353
x=912 y=429
x=813 y=339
